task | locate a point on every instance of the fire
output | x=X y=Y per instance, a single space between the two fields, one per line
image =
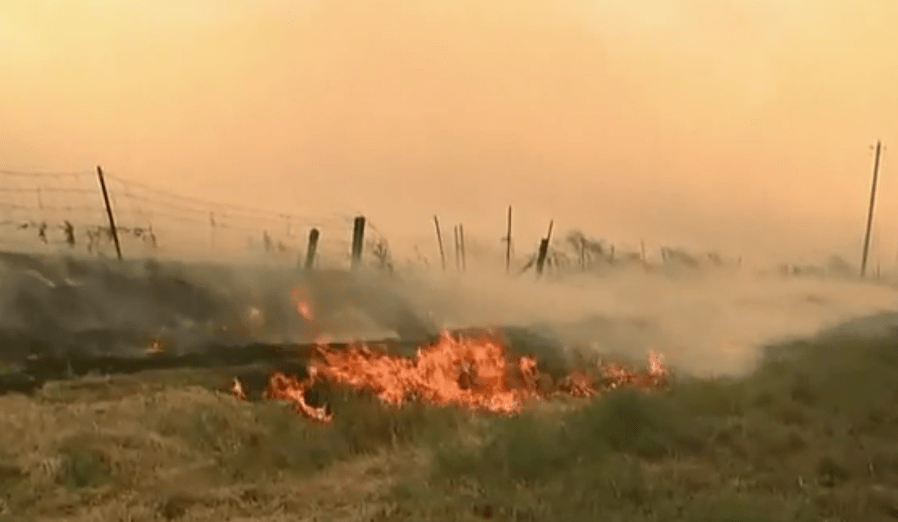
x=303 y=306
x=469 y=372
x=657 y=368
x=154 y=347
x=577 y=385
x=291 y=389
x=616 y=375
x=237 y=389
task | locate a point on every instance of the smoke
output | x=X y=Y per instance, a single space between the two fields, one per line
x=724 y=124
x=738 y=125
x=704 y=321
x=54 y=305
x=708 y=322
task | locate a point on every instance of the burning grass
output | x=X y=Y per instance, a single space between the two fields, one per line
x=468 y=372
x=809 y=436
x=472 y=371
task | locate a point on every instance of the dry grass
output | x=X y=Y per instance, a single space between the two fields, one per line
x=810 y=436
x=161 y=447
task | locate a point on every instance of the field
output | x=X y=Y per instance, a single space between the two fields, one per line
x=807 y=436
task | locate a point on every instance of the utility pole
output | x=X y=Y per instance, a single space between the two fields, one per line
x=870 y=211
x=508 y=244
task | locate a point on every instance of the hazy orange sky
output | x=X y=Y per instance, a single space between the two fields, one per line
x=739 y=124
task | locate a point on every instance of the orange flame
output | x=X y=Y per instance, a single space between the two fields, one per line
x=303 y=306
x=577 y=385
x=473 y=373
x=470 y=373
x=237 y=389
x=154 y=347
x=291 y=389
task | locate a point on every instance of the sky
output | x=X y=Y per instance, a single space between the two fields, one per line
x=739 y=125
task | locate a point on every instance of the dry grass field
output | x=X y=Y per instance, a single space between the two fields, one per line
x=808 y=437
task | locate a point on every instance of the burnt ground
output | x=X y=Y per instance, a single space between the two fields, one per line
x=55 y=307
x=809 y=436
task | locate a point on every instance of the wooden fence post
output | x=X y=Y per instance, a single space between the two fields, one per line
x=457 y=251
x=312 y=248
x=358 y=240
x=436 y=223
x=461 y=242
x=541 y=257
x=543 y=250
x=112 y=229
x=212 y=225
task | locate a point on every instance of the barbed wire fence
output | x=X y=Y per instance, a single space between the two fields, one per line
x=64 y=212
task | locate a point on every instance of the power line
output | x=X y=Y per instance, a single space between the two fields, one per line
x=209 y=203
x=45 y=203
x=26 y=174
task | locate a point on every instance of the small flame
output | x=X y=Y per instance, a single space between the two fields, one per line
x=154 y=347
x=303 y=306
x=237 y=389
x=291 y=389
x=656 y=365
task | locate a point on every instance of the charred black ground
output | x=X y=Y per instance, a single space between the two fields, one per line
x=55 y=307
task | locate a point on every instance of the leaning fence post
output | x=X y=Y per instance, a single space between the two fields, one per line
x=436 y=223
x=457 y=249
x=461 y=243
x=541 y=257
x=544 y=250
x=358 y=239
x=113 y=231
x=312 y=248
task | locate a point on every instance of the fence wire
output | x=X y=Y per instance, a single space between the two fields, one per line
x=65 y=211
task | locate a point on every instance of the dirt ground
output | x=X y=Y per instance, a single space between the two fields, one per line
x=808 y=437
